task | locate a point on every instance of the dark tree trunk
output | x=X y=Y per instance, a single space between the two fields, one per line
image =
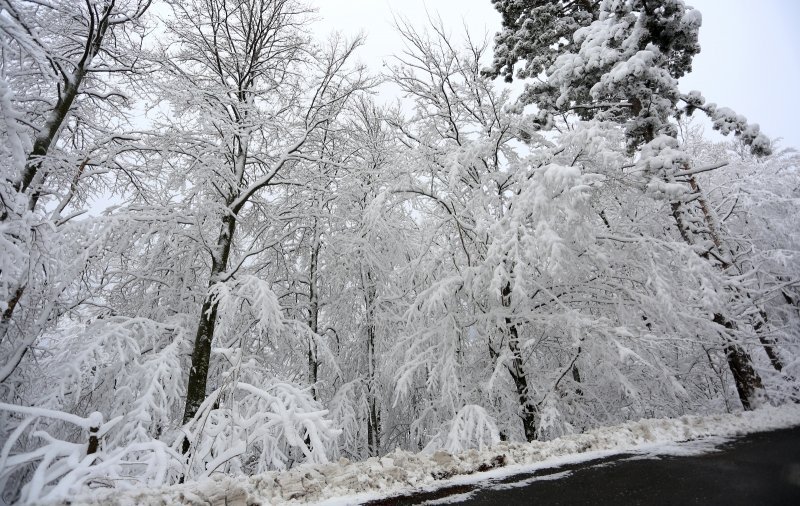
x=68 y=91
x=677 y=214
x=98 y=27
x=313 y=317
x=748 y=382
x=44 y=140
x=374 y=414
x=576 y=376
x=528 y=411
x=313 y=322
x=201 y=356
x=714 y=231
x=198 y=373
x=33 y=164
x=374 y=427
x=767 y=342
x=94 y=441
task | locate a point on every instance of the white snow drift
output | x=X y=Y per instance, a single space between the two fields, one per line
x=402 y=471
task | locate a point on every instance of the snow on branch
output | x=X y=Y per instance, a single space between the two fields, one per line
x=36 y=466
x=472 y=427
x=726 y=121
x=248 y=291
x=251 y=429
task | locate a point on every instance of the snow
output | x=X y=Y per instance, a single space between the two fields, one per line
x=336 y=258
x=528 y=481
x=401 y=472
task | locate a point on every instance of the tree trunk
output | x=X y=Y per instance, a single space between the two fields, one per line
x=767 y=342
x=374 y=415
x=44 y=140
x=528 y=411
x=94 y=441
x=198 y=373
x=747 y=380
x=576 y=376
x=33 y=164
x=98 y=27
x=5 y=320
x=313 y=315
x=713 y=225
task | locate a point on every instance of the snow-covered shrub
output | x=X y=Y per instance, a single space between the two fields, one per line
x=37 y=467
x=347 y=408
x=123 y=367
x=472 y=427
x=245 y=429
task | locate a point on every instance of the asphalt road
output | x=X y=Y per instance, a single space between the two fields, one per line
x=760 y=469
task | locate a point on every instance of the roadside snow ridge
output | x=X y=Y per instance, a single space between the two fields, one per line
x=402 y=471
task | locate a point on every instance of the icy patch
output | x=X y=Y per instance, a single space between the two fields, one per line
x=402 y=472
x=528 y=481
x=455 y=498
x=687 y=448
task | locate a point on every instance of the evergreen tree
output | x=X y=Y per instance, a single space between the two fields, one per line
x=612 y=60
x=621 y=63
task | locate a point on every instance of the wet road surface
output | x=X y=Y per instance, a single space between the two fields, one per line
x=759 y=469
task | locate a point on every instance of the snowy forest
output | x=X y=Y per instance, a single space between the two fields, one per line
x=221 y=252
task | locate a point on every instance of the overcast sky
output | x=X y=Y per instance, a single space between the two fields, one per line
x=750 y=59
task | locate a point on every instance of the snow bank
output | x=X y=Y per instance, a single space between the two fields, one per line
x=402 y=471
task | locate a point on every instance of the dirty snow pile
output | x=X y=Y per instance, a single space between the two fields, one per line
x=401 y=471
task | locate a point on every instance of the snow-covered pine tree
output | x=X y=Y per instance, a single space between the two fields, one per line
x=536 y=32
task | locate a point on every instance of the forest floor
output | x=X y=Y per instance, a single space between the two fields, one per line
x=402 y=473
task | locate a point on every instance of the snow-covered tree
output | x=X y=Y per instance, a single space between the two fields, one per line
x=64 y=114
x=617 y=60
x=252 y=94
x=622 y=65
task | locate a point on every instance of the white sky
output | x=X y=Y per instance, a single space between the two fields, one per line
x=750 y=59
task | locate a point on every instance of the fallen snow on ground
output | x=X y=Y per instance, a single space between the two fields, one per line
x=345 y=482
